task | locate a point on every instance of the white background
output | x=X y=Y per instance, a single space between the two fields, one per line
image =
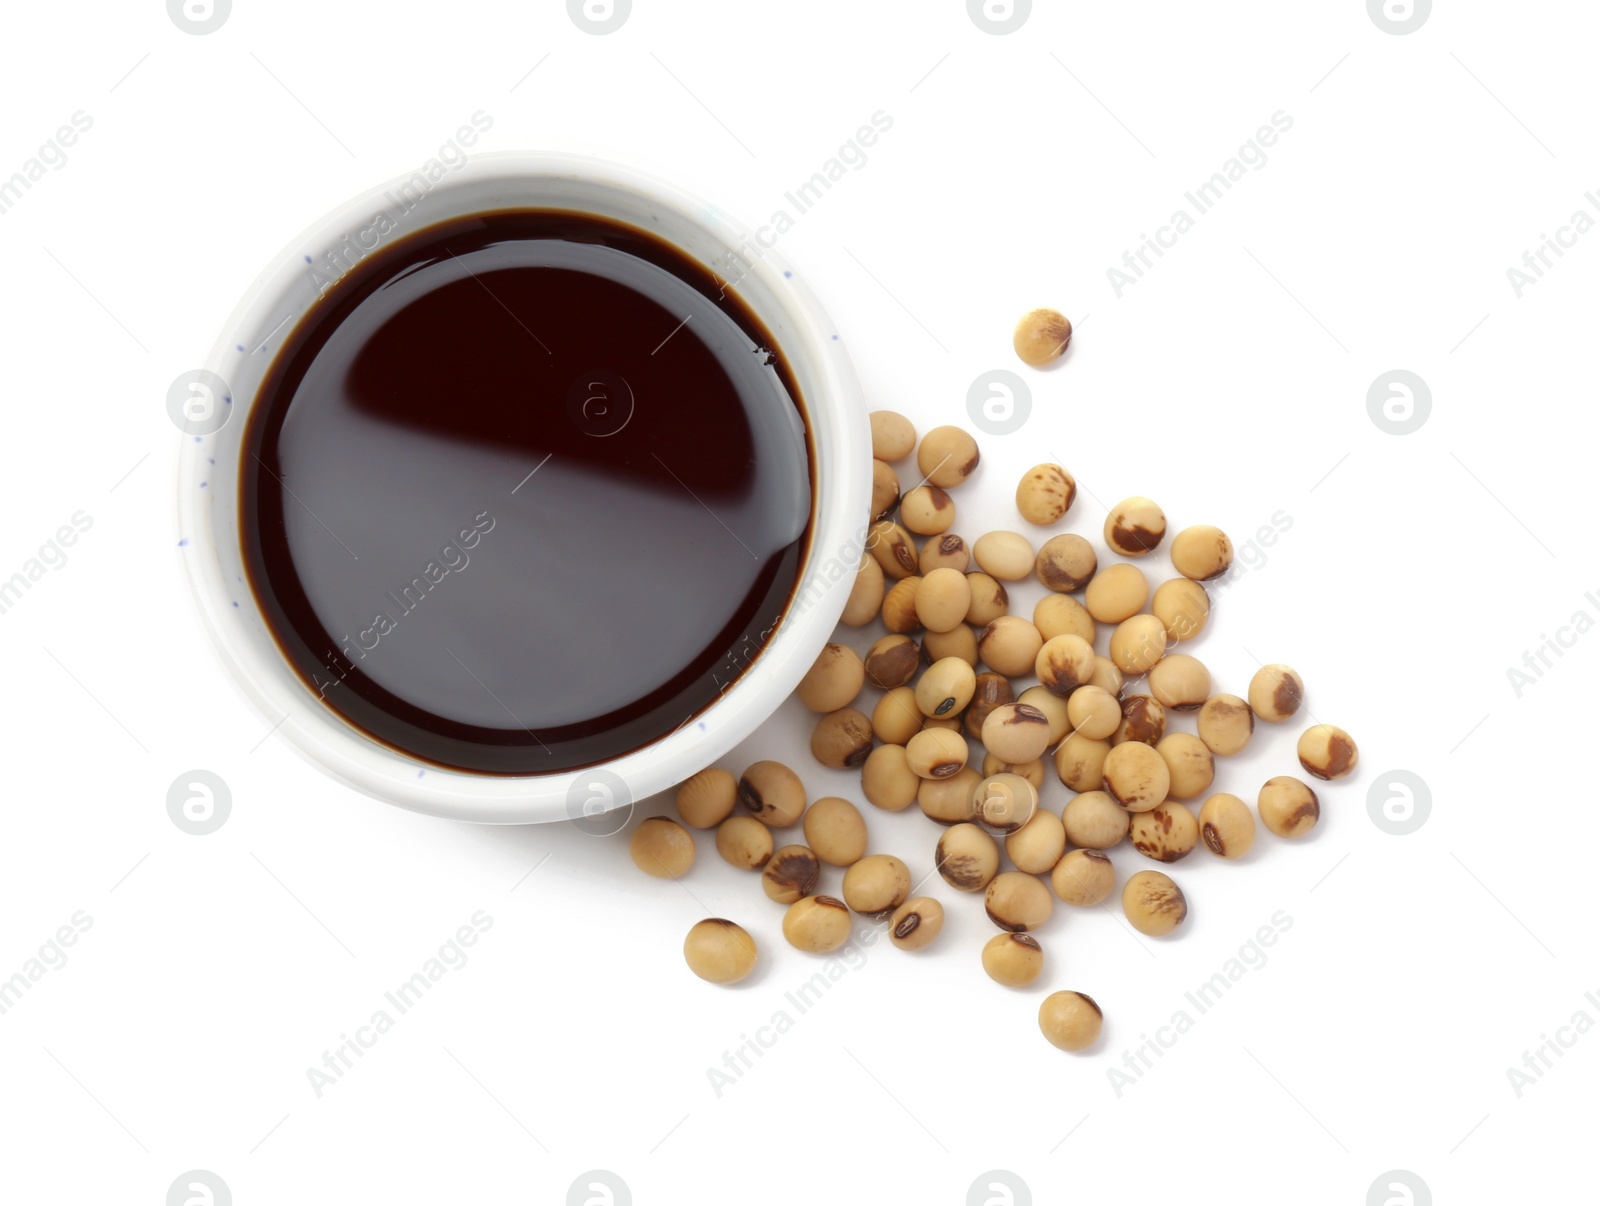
x=1230 y=383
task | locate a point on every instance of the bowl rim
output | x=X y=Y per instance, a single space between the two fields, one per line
x=840 y=437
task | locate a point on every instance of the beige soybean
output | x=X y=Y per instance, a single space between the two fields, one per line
x=707 y=799
x=1225 y=723
x=772 y=793
x=892 y=548
x=835 y=831
x=1138 y=643
x=885 y=490
x=1032 y=771
x=1143 y=720
x=1084 y=878
x=989 y=691
x=876 y=884
x=892 y=661
x=1180 y=681
x=1116 y=593
x=1057 y=711
x=817 y=924
x=834 y=679
x=1153 y=904
x=893 y=436
x=1045 y=494
x=953 y=723
x=989 y=599
x=1016 y=732
x=1106 y=675
x=945 y=688
x=944 y=552
x=1190 y=765
x=1004 y=802
x=719 y=951
x=1094 y=712
x=950 y=801
x=1327 y=751
x=791 y=872
x=1004 y=555
x=1010 y=645
x=866 y=595
x=1183 y=607
x=1276 y=693
x=1065 y=563
x=1041 y=336
x=1080 y=762
x=936 y=753
x=1093 y=820
x=1136 y=776
x=1165 y=833
x=662 y=848
x=967 y=857
x=887 y=779
x=927 y=511
x=1064 y=664
x=1062 y=615
x=896 y=719
x=942 y=600
x=1226 y=827
x=1202 y=552
x=1135 y=527
x=900 y=606
x=1014 y=960
x=1017 y=901
x=1288 y=807
x=744 y=842
x=1037 y=846
x=1070 y=1021
x=916 y=923
x=842 y=740
x=960 y=642
x=947 y=456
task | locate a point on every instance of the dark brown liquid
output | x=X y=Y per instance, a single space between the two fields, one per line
x=525 y=492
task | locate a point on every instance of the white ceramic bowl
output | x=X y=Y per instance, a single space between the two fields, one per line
x=208 y=483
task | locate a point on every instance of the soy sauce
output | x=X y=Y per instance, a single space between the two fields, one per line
x=524 y=492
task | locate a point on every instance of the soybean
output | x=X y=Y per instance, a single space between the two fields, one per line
x=833 y=681
x=876 y=884
x=719 y=951
x=1038 y=845
x=1202 y=552
x=896 y=719
x=989 y=599
x=942 y=600
x=1153 y=904
x=842 y=740
x=791 y=872
x=1183 y=607
x=1135 y=527
x=900 y=606
x=1057 y=711
x=1225 y=724
x=1116 y=593
x=967 y=857
x=773 y=793
x=705 y=800
x=1063 y=664
x=1004 y=555
x=1010 y=646
x=1041 y=336
x=950 y=801
x=893 y=549
x=1094 y=712
x=1065 y=563
x=1138 y=643
x=893 y=436
x=1180 y=681
x=817 y=924
x=1016 y=732
x=1288 y=807
x=1014 y=960
x=1143 y=720
x=1045 y=494
x=1276 y=692
x=1136 y=776
x=945 y=688
x=960 y=642
x=835 y=831
x=948 y=551
x=1062 y=615
x=1190 y=766
x=1081 y=761
x=892 y=661
x=885 y=491
x=1005 y=802
x=947 y=456
x=989 y=691
x=744 y=842
x=1084 y=878
x=927 y=511
x=662 y=848
x=1166 y=833
x=1017 y=901
x=916 y=923
x=1226 y=826
x=866 y=595
x=1093 y=820
x=887 y=779
x=1327 y=751
x=1070 y=1020
x=936 y=753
